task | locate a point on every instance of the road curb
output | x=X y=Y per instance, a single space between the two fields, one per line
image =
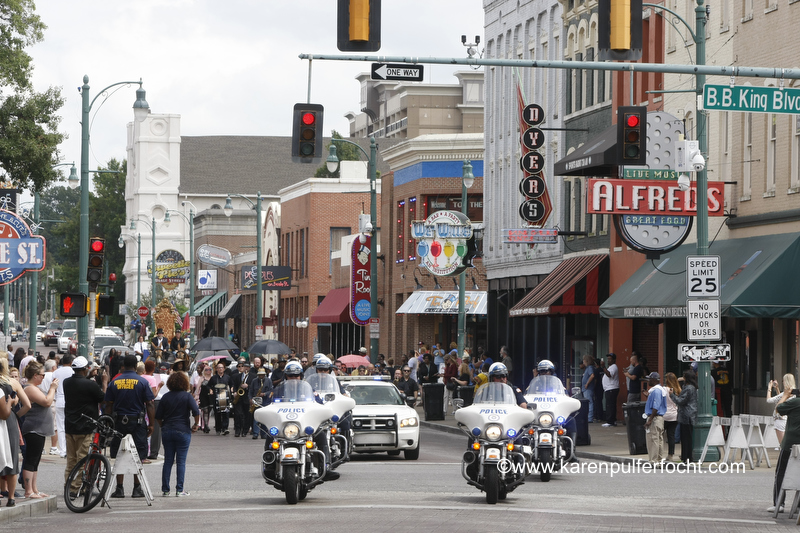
x=28 y=509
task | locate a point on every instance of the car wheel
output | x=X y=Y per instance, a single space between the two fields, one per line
x=411 y=455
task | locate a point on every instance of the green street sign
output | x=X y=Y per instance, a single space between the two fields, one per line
x=651 y=174
x=751 y=99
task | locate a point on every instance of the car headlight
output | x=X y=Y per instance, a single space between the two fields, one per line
x=494 y=432
x=290 y=431
x=408 y=422
x=545 y=419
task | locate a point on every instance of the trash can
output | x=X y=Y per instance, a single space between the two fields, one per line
x=433 y=401
x=582 y=437
x=637 y=439
x=466 y=393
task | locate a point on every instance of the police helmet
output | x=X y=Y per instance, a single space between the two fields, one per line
x=498 y=370
x=293 y=368
x=323 y=363
x=545 y=366
x=316 y=358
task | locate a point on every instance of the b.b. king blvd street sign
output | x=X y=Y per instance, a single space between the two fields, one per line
x=751 y=99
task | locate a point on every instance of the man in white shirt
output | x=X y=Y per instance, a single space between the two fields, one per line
x=61 y=373
x=611 y=389
x=413 y=364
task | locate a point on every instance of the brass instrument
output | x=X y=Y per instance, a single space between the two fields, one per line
x=256 y=403
x=239 y=393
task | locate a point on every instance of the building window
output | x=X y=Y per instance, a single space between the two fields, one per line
x=337 y=234
x=772 y=141
x=401 y=233
x=411 y=249
x=568 y=89
x=795 y=183
x=748 y=156
x=568 y=205
x=724 y=118
x=589 y=79
x=302 y=250
x=724 y=16
x=577 y=203
x=747 y=10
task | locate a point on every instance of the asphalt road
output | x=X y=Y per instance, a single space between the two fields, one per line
x=376 y=492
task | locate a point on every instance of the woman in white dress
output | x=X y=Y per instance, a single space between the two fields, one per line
x=788 y=386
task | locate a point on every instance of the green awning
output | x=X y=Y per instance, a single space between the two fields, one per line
x=203 y=301
x=212 y=306
x=758 y=274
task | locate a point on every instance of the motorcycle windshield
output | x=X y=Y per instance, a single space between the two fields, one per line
x=545 y=384
x=323 y=383
x=495 y=393
x=293 y=390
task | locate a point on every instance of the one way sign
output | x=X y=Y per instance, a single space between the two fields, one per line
x=396 y=72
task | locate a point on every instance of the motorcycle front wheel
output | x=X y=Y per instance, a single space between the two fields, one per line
x=544 y=459
x=491 y=484
x=291 y=485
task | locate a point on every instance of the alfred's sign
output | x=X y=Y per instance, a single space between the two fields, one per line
x=623 y=197
x=360 y=274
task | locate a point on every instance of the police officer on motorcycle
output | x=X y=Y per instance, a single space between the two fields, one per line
x=546 y=367
x=498 y=372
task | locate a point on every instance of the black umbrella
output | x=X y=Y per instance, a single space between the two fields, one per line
x=214 y=344
x=269 y=346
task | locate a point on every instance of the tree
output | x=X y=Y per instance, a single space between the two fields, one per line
x=344 y=151
x=28 y=120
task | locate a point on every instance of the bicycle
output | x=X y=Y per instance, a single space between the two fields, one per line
x=93 y=472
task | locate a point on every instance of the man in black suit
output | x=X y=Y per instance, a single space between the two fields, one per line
x=241 y=409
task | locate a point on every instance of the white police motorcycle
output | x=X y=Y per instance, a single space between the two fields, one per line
x=338 y=433
x=493 y=463
x=292 y=460
x=552 y=410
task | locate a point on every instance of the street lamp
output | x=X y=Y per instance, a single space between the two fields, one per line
x=190 y=220
x=140 y=111
x=152 y=226
x=467 y=179
x=228 y=209
x=332 y=162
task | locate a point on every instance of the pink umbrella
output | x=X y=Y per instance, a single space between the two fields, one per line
x=353 y=361
x=211 y=358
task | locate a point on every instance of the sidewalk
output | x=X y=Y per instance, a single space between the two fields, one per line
x=607 y=444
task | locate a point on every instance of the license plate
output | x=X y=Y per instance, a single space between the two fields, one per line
x=493 y=453
x=290 y=453
x=545 y=438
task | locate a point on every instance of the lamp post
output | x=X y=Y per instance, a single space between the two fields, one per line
x=332 y=162
x=140 y=110
x=228 y=209
x=152 y=226
x=467 y=179
x=190 y=220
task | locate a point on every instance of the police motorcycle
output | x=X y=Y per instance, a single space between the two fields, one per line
x=292 y=461
x=337 y=429
x=553 y=410
x=494 y=462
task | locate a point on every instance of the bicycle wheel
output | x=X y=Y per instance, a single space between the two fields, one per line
x=92 y=474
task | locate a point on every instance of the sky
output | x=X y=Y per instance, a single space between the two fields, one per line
x=227 y=68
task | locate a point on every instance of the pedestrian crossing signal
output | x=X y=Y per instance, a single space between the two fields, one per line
x=72 y=304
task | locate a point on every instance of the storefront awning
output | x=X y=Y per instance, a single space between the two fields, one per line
x=576 y=286
x=758 y=274
x=335 y=308
x=595 y=158
x=443 y=302
x=232 y=309
x=212 y=306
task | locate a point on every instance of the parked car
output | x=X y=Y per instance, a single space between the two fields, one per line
x=52 y=332
x=66 y=336
x=118 y=331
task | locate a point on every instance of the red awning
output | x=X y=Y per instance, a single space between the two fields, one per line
x=576 y=286
x=335 y=308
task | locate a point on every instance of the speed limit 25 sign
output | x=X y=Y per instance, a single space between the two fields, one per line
x=702 y=276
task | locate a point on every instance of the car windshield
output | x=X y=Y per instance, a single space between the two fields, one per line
x=545 y=384
x=375 y=395
x=293 y=390
x=323 y=382
x=102 y=342
x=495 y=392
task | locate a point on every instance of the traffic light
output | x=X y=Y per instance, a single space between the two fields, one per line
x=619 y=30
x=631 y=135
x=72 y=304
x=105 y=305
x=97 y=251
x=358 y=25
x=307 y=133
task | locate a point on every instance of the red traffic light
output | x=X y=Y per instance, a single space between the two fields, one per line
x=633 y=121
x=309 y=118
x=112 y=277
x=97 y=245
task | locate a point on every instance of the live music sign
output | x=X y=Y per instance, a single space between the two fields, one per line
x=616 y=196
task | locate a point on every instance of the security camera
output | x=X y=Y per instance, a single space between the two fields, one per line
x=368 y=227
x=683 y=182
x=698 y=162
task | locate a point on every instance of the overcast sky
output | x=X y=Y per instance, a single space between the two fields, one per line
x=227 y=68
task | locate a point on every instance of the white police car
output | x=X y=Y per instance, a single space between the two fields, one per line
x=382 y=422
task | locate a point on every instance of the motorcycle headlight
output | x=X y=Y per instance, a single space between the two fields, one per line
x=545 y=419
x=408 y=422
x=494 y=432
x=290 y=431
